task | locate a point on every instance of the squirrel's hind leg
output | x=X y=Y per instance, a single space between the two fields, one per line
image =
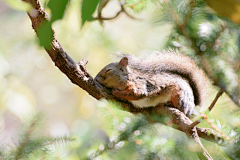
x=183 y=100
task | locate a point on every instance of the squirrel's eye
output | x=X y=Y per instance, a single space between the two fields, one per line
x=108 y=70
x=121 y=69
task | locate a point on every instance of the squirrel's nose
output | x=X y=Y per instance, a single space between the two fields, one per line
x=99 y=79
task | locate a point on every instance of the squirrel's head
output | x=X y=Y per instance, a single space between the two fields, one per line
x=114 y=75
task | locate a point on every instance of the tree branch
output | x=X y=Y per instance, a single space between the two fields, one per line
x=79 y=75
x=76 y=72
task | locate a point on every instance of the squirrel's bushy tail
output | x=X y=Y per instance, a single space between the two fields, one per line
x=173 y=62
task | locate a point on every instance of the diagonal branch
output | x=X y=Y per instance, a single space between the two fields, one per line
x=220 y=92
x=79 y=75
x=76 y=72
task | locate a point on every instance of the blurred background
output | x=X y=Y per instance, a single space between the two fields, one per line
x=31 y=85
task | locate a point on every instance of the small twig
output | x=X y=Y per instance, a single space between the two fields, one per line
x=200 y=150
x=220 y=92
x=100 y=18
x=197 y=121
x=210 y=135
x=217 y=129
x=83 y=62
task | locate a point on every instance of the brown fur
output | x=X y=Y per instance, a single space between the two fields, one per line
x=157 y=78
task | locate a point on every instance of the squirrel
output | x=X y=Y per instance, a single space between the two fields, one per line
x=157 y=79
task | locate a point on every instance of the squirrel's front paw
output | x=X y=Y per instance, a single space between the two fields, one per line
x=126 y=94
x=121 y=94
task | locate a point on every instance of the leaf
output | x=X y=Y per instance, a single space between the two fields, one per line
x=45 y=34
x=57 y=7
x=88 y=8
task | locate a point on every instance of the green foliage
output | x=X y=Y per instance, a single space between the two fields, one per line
x=31 y=142
x=140 y=5
x=87 y=9
x=233 y=151
x=45 y=35
x=210 y=36
x=199 y=33
x=195 y=30
x=135 y=138
x=57 y=9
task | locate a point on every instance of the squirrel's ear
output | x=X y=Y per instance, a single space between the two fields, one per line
x=123 y=61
